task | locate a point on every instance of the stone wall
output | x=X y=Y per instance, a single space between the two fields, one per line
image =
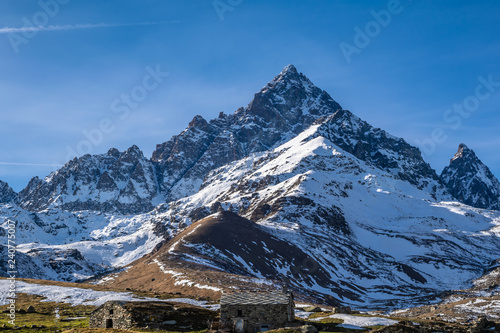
x=253 y=316
x=125 y=316
x=111 y=314
x=153 y=315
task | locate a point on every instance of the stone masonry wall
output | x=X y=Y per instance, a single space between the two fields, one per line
x=275 y=316
x=153 y=318
x=157 y=315
x=120 y=317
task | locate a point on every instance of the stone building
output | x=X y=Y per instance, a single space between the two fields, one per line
x=161 y=315
x=250 y=312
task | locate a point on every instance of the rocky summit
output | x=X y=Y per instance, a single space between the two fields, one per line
x=470 y=181
x=279 y=111
x=290 y=189
x=122 y=182
x=7 y=194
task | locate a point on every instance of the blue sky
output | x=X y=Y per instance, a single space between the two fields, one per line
x=417 y=72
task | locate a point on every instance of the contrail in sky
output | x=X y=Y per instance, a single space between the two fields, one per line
x=8 y=30
x=30 y=164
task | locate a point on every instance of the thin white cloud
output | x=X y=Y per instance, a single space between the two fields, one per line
x=30 y=164
x=9 y=30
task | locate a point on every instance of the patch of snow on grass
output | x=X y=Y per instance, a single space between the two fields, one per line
x=302 y=314
x=350 y=327
x=80 y=296
x=360 y=321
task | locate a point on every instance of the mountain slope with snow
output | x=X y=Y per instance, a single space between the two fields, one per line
x=130 y=183
x=336 y=208
x=72 y=246
x=365 y=237
x=378 y=148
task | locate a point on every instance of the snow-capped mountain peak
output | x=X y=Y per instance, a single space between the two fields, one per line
x=291 y=98
x=286 y=106
x=289 y=77
x=470 y=181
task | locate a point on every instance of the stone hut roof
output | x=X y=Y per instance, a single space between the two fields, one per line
x=139 y=306
x=256 y=298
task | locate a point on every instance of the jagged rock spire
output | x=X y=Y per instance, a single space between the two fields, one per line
x=470 y=181
x=7 y=194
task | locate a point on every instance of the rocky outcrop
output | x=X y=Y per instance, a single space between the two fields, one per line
x=470 y=181
x=7 y=194
x=378 y=148
x=122 y=182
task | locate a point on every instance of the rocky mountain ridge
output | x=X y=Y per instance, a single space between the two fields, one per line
x=130 y=183
x=125 y=182
x=470 y=181
x=7 y=194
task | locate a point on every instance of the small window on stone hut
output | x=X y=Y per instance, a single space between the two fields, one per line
x=240 y=313
x=111 y=311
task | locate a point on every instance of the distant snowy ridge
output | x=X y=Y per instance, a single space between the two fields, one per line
x=71 y=246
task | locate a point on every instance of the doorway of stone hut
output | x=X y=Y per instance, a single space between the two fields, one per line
x=239 y=326
x=109 y=323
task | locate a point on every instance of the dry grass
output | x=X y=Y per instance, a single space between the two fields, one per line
x=319 y=315
x=45 y=315
x=110 y=330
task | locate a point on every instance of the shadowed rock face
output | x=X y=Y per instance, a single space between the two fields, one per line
x=27 y=267
x=378 y=148
x=7 y=194
x=470 y=181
